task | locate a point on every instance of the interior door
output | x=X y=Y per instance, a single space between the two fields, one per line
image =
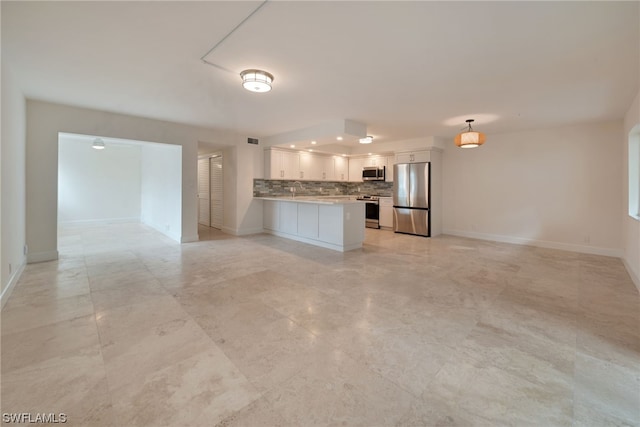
x=204 y=197
x=216 y=192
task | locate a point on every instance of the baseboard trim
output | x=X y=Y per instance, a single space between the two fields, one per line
x=13 y=280
x=34 y=257
x=634 y=278
x=593 y=250
x=160 y=229
x=189 y=239
x=242 y=232
x=103 y=221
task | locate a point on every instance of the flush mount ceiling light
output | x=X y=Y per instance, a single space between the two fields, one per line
x=256 y=80
x=98 y=144
x=469 y=138
x=366 y=140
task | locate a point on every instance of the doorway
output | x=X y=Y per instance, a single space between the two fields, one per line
x=210 y=191
x=104 y=180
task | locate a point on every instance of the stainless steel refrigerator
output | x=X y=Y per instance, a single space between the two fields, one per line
x=411 y=198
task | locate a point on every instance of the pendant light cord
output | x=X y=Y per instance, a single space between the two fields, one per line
x=227 y=36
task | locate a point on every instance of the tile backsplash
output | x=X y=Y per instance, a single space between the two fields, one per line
x=278 y=187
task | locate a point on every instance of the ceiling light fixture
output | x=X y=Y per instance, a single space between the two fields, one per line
x=366 y=140
x=98 y=144
x=313 y=142
x=469 y=138
x=256 y=80
x=339 y=138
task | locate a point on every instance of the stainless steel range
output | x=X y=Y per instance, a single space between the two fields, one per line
x=372 y=211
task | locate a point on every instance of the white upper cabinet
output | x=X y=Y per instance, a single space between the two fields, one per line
x=310 y=168
x=341 y=168
x=281 y=164
x=378 y=161
x=327 y=168
x=355 y=169
x=413 y=157
x=301 y=165
x=388 y=174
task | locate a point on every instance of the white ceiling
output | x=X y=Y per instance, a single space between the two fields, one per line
x=405 y=69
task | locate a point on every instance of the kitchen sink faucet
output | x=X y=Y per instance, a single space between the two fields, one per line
x=293 y=189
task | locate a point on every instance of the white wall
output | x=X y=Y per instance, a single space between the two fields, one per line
x=249 y=165
x=97 y=185
x=630 y=226
x=12 y=183
x=161 y=206
x=553 y=187
x=45 y=120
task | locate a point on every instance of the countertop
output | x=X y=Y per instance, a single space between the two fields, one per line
x=323 y=200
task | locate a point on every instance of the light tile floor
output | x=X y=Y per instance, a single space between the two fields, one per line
x=129 y=328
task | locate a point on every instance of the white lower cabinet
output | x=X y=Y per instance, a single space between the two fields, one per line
x=337 y=226
x=308 y=220
x=270 y=215
x=330 y=227
x=288 y=217
x=386 y=212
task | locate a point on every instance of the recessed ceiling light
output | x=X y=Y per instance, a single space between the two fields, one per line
x=344 y=155
x=98 y=144
x=256 y=80
x=369 y=153
x=339 y=138
x=292 y=146
x=366 y=140
x=313 y=142
x=310 y=150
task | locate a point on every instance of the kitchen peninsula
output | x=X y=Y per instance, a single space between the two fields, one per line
x=333 y=222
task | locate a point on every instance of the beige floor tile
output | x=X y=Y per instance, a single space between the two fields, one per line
x=607 y=388
x=271 y=353
x=131 y=328
x=335 y=390
x=126 y=294
x=136 y=354
x=48 y=343
x=200 y=390
x=74 y=385
x=258 y=413
x=44 y=312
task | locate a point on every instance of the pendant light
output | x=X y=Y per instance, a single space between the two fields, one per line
x=469 y=138
x=256 y=80
x=98 y=144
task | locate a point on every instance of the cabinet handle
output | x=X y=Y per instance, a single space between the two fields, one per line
x=324 y=175
x=301 y=174
x=281 y=174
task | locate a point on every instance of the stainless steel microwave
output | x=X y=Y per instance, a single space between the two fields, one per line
x=373 y=173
